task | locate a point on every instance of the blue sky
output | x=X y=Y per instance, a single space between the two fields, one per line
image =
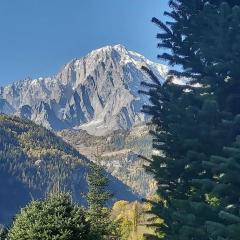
x=37 y=37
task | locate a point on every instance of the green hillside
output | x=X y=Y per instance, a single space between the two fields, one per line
x=30 y=152
x=34 y=161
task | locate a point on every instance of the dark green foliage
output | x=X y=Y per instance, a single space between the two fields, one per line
x=183 y=120
x=226 y=229
x=188 y=35
x=204 y=39
x=225 y=168
x=194 y=121
x=54 y=218
x=225 y=189
x=98 y=214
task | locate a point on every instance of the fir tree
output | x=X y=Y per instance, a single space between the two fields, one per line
x=97 y=198
x=223 y=187
x=192 y=120
x=183 y=120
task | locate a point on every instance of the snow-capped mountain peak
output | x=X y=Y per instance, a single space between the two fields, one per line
x=98 y=92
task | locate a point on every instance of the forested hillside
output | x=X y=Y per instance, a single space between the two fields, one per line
x=34 y=161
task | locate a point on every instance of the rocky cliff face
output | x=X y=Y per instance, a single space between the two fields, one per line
x=97 y=93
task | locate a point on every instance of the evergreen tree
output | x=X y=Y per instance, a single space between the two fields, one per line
x=183 y=120
x=203 y=37
x=97 y=197
x=53 y=218
x=192 y=121
x=223 y=187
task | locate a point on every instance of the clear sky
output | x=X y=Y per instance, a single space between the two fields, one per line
x=37 y=37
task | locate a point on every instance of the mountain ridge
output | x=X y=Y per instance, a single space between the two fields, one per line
x=97 y=93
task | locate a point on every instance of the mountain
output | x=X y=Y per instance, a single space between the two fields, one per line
x=94 y=104
x=34 y=161
x=97 y=93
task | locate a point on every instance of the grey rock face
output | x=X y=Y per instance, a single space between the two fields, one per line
x=97 y=93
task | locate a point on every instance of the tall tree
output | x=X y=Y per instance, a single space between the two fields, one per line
x=183 y=120
x=97 y=198
x=223 y=52
x=192 y=120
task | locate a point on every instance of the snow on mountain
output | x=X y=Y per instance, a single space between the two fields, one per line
x=97 y=93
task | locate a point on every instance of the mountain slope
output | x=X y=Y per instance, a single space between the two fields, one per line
x=33 y=161
x=118 y=152
x=97 y=93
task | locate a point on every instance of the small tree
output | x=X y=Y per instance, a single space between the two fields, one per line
x=53 y=218
x=98 y=214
